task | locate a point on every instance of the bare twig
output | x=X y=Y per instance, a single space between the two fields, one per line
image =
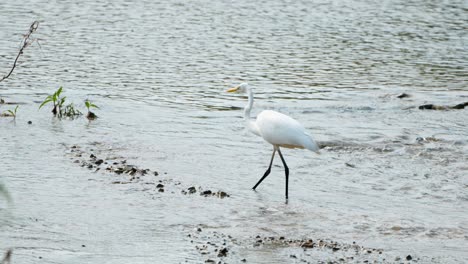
x=25 y=43
x=7 y=258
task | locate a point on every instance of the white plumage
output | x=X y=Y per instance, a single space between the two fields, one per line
x=283 y=131
x=277 y=129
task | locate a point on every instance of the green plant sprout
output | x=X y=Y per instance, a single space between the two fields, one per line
x=10 y=112
x=70 y=111
x=89 y=105
x=56 y=100
x=60 y=109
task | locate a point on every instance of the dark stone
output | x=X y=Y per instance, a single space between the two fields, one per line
x=160 y=185
x=308 y=244
x=403 y=95
x=92 y=156
x=29 y=122
x=192 y=190
x=90 y=166
x=243 y=260
x=155 y=173
x=161 y=190
x=222 y=194
x=409 y=257
x=222 y=252
x=99 y=162
x=460 y=106
x=83 y=245
x=91 y=115
x=206 y=193
x=427 y=106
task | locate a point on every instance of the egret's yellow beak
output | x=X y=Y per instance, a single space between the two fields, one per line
x=233 y=89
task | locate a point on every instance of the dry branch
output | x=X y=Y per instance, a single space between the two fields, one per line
x=25 y=43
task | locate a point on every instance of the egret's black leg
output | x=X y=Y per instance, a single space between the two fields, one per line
x=286 y=170
x=267 y=171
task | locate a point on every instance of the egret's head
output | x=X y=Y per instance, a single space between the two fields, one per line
x=241 y=88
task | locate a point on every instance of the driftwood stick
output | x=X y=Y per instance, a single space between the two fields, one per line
x=25 y=43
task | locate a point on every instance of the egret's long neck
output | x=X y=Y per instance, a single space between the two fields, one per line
x=251 y=124
x=249 y=105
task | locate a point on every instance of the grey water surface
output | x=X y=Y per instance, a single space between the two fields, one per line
x=389 y=176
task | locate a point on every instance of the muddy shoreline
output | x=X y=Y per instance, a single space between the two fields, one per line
x=215 y=246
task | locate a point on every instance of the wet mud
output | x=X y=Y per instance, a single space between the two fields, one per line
x=133 y=174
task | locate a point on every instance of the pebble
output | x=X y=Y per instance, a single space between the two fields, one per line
x=403 y=95
x=222 y=252
x=409 y=257
x=206 y=193
x=29 y=122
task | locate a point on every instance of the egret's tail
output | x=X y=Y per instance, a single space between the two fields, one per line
x=311 y=145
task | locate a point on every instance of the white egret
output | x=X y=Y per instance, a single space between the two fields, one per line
x=277 y=129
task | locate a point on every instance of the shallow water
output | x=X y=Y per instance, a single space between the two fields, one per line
x=159 y=71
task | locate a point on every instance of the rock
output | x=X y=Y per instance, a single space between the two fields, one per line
x=409 y=257
x=209 y=261
x=206 y=193
x=243 y=260
x=99 y=162
x=29 y=122
x=292 y=256
x=155 y=173
x=432 y=107
x=222 y=252
x=91 y=115
x=307 y=244
x=403 y=95
x=161 y=190
x=192 y=190
x=160 y=185
x=460 y=106
x=132 y=170
x=222 y=194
